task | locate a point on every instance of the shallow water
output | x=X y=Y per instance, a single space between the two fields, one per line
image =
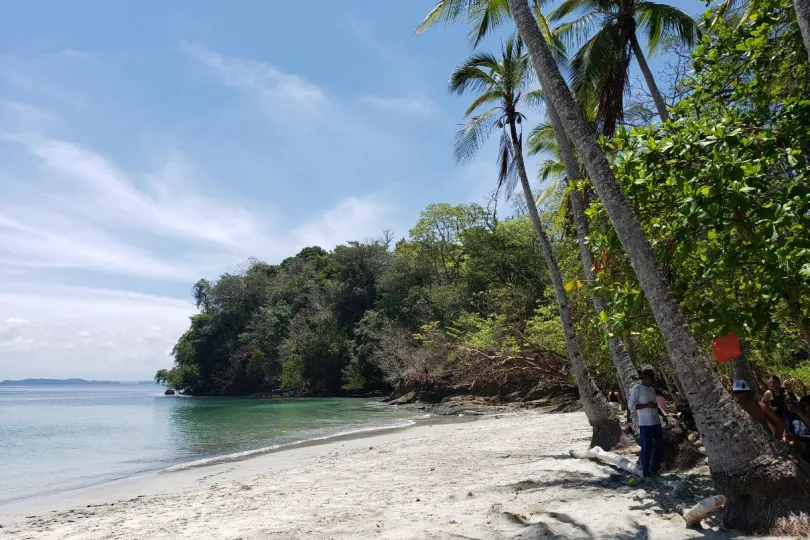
x=58 y=438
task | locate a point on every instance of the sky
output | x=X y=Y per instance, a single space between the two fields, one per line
x=144 y=145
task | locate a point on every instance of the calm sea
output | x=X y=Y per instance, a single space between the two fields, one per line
x=59 y=438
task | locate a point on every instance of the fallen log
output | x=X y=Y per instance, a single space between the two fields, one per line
x=694 y=515
x=607 y=457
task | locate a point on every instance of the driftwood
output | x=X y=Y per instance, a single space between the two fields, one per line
x=694 y=515
x=608 y=457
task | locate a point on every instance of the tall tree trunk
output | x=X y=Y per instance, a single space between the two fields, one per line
x=606 y=430
x=650 y=80
x=763 y=481
x=802 y=8
x=621 y=359
x=741 y=371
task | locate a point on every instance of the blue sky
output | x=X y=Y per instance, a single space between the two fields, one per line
x=144 y=145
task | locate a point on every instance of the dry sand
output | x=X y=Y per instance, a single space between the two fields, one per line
x=500 y=477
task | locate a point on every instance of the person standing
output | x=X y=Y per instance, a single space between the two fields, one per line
x=642 y=401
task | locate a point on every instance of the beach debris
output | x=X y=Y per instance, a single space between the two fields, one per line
x=694 y=515
x=607 y=457
x=469 y=494
x=245 y=487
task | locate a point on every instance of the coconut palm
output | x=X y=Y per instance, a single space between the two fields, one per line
x=608 y=32
x=763 y=482
x=565 y=170
x=500 y=87
x=483 y=16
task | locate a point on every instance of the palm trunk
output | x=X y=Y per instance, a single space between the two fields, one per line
x=650 y=80
x=741 y=371
x=606 y=430
x=763 y=481
x=802 y=8
x=621 y=359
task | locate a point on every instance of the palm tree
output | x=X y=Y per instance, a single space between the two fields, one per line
x=609 y=30
x=763 y=482
x=500 y=84
x=485 y=15
x=566 y=168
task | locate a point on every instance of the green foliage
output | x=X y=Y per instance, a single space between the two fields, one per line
x=292 y=373
x=362 y=316
x=605 y=32
x=544 y=330
x=722 y=194
x=490 y=334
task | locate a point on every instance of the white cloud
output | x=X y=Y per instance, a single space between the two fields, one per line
x=94 y=216
x=281 y=92
x=342 y=223
x=55 y=241
x=82 y=332
x=168 y=205
x=400 y=105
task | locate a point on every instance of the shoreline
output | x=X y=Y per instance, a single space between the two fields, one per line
x=504 y=475
x=27 y=505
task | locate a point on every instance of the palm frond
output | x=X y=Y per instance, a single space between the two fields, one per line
x=574 y=32
x=507 y=165
x=573 y=7
x=446 y=11
x=593 y=62
x=542 y=140
x=551 y=189
x=515 y=70
x=486 y=97
x=662 y=22
x=558 y=49
x=471 y=75
x=473 y=135
x=484 y=17
x=536 y=99
x=550 y=169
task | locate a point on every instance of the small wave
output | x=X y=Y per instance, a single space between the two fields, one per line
x=238 y=456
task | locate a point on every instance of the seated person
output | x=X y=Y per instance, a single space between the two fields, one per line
x=774 y=399
x=797 y=428
x=685 y=412
x=745 y=399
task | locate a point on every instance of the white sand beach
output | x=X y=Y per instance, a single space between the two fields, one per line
x=506 y=476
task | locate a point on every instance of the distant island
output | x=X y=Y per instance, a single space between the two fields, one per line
x=38 y=382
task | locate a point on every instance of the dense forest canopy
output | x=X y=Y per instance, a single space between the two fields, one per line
x=368 y=315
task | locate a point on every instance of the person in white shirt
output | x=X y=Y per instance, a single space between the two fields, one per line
x=642 y=401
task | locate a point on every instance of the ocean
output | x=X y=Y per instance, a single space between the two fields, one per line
x=57 y=438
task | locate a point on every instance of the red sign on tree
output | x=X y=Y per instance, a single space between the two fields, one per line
x=726 y=348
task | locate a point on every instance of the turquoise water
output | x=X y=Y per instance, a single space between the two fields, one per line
x=58 y=438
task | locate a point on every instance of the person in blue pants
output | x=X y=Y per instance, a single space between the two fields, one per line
x=642 y=401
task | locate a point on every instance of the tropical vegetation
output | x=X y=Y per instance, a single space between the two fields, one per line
x=635 y=243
